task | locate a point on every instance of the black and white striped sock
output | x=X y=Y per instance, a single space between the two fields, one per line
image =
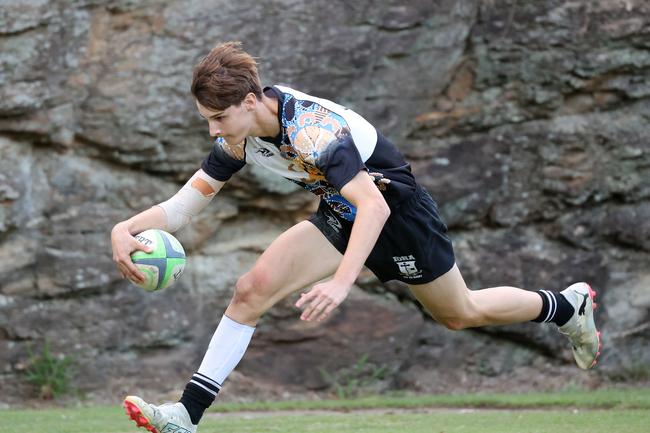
x=227 y=347
x=198 y=395
x=555 y=308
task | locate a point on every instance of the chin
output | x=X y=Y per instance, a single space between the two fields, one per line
x=234 y=141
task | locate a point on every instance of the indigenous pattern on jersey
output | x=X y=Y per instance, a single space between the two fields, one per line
x=321 y=147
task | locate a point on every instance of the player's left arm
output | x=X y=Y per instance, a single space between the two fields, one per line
x=372 y=213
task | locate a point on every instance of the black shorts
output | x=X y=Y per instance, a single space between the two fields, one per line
x=413 y=246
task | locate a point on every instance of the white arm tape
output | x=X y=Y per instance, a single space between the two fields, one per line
x=195 y=195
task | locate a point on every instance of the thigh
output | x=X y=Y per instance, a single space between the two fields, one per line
x=413 y=247
x=446 y=298
x=299 y=257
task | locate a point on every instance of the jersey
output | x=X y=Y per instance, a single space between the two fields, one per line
x=321 y=146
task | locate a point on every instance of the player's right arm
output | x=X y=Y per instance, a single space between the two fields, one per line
x=174 y=213
x=169 y=215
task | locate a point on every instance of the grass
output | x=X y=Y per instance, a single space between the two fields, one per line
x=628 y=421
x=598 y=399
x=608 y=411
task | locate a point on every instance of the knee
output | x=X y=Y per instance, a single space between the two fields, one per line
x=453 y=323
x=249 y=291
x=466 y=318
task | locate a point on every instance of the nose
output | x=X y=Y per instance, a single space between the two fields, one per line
x=214 y=129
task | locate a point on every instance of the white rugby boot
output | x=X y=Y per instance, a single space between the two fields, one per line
x=581 y=328
x=166 y=418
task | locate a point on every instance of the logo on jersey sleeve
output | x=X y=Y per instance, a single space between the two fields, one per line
x=264 y=152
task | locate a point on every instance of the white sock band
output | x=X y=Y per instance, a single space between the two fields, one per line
x=552 y=305
x=226 y=349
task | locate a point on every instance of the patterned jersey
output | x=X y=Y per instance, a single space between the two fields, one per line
x=321 y=147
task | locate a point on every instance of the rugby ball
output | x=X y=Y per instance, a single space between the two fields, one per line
x=164 y=265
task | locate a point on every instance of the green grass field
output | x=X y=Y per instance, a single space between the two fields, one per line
x=612 y=411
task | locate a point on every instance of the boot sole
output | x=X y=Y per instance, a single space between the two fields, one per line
x=592 y=295
x=134 y=412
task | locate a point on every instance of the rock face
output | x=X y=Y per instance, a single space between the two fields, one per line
x=526 y=120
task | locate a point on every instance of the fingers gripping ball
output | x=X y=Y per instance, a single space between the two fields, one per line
x=164 y=265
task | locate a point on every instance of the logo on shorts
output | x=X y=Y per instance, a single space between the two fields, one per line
x=334 y=223
x=406 y=266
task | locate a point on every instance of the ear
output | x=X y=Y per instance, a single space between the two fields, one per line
x=250 y=101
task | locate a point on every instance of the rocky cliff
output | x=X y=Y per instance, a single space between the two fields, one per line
x=526 y=120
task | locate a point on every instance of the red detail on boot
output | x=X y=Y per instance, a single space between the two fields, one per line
x=136 y=415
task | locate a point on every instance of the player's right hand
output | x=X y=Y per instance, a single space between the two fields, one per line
x=123 y=244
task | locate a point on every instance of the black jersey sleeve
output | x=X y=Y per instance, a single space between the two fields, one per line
x=220 y=165
x=340 y=161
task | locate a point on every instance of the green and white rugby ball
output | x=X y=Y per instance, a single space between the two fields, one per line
x=164 y=265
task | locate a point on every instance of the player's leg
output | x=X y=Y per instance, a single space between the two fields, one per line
x=298 y=258
x=418 y=244
x=414 y=243
x=451 y=303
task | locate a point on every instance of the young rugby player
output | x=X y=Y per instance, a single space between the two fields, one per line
x=372 y=212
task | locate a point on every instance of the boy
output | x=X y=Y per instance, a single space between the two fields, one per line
x=372 y=212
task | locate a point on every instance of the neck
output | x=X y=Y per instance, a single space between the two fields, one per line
x=267 y=118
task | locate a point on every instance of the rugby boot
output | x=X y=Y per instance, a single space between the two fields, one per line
x=166 y=418
x=581 y=328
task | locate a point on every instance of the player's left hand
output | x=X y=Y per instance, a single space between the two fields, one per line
x=322 y=299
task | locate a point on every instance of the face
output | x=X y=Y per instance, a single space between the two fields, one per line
x=233 y=124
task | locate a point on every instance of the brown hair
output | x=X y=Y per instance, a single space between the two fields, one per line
x=225 y=76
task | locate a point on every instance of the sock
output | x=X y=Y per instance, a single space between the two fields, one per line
x=198 y=395
x=226 y=349
x=555 y=308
